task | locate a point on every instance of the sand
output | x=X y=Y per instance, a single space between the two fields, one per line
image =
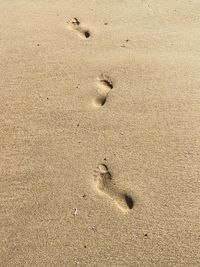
x=100 y=133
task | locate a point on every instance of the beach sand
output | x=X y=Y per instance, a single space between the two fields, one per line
x=100 y=133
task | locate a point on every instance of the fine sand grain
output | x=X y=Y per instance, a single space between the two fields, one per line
x=100 y=133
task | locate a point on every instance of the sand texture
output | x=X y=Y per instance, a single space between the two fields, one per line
x=99 y=133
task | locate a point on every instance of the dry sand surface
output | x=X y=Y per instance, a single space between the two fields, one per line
x=100 y=133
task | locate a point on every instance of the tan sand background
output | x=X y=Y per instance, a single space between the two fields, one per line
x=52 y=137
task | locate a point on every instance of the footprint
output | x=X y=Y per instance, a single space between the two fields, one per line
x=104 y=86
x=74 y=24
x=104 y=184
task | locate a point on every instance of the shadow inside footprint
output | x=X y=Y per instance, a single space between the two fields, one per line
x=74 y=24
x=104 y=183
x=104 y=85
x=107 y=83
x=129 y=201
x=87 y=34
